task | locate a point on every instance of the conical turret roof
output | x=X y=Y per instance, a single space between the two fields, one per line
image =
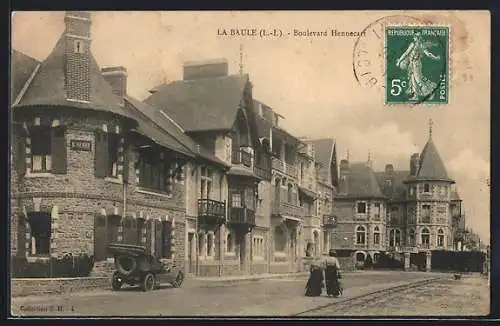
x=431 y=165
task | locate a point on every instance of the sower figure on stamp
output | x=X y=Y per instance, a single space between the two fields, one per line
x=411 y=61
x=332 y=274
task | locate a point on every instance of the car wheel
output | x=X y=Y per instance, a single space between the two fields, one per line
x=125 y=264
x=179 y=279
x=116 y=282
x=148 y=283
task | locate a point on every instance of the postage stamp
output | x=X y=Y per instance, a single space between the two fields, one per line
x=416 y=61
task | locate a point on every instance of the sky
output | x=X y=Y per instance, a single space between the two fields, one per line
x=310 y=80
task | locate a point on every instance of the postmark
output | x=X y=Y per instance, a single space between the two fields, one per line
x=416 y=64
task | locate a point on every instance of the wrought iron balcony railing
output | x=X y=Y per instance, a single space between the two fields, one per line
x=283 y=208
x=287 y=168
x=242 y=157
x=210 y=207
x=242 y=215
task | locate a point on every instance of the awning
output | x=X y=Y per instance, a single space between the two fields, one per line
x=308 y=193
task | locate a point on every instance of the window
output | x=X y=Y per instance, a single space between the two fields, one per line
x=206 y=183
x=290 y=193
x=426 y=213
x=425 y=237
x=412 y=191
x=230 y=243
x=279 y=239
x=210 y=244
x=106 y=153
x=41 y=150
x=394 y=238
x=40 y=228
x=258 y=247
x=326 y=242
x=376 y=236
x=155 y=172
x=236 y=199
x=360 y=234
x=426 y=187
x=377 y=211
x=113 y=145
x=201 y=244
x=440 y=238
x=361 y=208
x=394 y=209
x=411 y=237
x=79 y=46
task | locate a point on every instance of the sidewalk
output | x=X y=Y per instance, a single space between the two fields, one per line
x=238 y=278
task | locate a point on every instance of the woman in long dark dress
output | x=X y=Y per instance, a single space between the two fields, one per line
x=332 y=274
x=314 y=285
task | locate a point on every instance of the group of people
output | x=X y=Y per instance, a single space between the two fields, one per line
x=325 y=274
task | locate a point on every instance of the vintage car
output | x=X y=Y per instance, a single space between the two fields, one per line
x=136 y=266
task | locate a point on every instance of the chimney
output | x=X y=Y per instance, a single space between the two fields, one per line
x=389 y=169
x=117 y=78
x=414 y=164
x=205 y=69
x=77 y=55
x=344 y=165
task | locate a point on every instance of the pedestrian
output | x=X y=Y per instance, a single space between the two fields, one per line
x=315 y=284
x=332 y=274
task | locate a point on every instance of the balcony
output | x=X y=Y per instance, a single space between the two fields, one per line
x=211 y=212
x=242 y=218
x=284 y=167
x=329 y=221
x=241 y=157
x=286 y=209
x=264 y=173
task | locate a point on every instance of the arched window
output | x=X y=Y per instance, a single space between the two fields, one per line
x=360 y=234
x=279 y=239
x=440 y=238
x=397 y=237
x=229 y=242
x=411 y=237
x=316 y=242
x=376 y=236
x=201 y=244
x=210 y=244
x=290 y=193
x=425 y=237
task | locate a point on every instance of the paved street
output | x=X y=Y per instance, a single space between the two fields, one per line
x=264 y=297
x=467 y=297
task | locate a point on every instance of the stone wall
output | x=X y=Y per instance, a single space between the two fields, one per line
x=38 y=286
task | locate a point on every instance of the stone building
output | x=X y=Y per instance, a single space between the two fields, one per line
x=216 y=110
x=326 y=178
x=404 y=212
x=360 y=209
x=91 y=165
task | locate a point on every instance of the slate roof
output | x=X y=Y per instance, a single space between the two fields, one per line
x=323 y=152
x=201 y=104
x=431 y=164
x=47 y=86
x=360 y=182
x=397 y=189
x=159 y=128
x=22 y=67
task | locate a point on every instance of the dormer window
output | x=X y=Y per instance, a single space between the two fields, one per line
x=79 y=47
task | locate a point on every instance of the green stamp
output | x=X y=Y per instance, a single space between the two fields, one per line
x=416 y=63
